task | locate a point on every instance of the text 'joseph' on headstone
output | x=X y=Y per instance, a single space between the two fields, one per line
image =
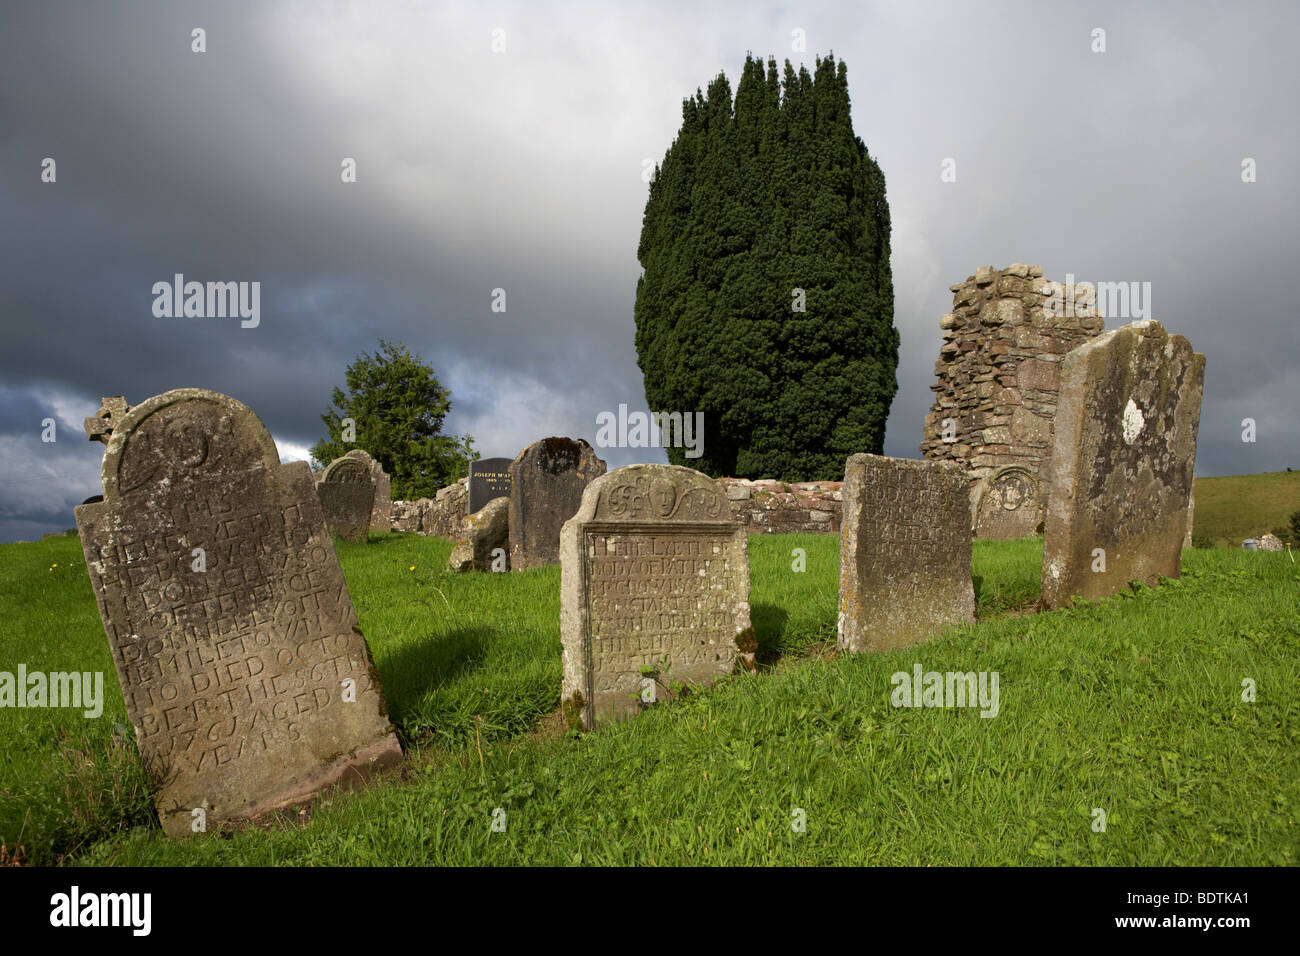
x=242 y=665
x=488 y=478
x=654 y=591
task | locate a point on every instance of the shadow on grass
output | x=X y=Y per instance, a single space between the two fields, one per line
x=769 y=622
x=419 y=667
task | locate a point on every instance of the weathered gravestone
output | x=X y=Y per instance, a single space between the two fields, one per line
x=905 y=552
x=488 y=478
x=547 y=480
x=347 y=497
x=243 y=669
x=654 y=586
x=112 y=410
x=1122 y=464
x=484 y=540
x=1008 y=505
x=381 y=514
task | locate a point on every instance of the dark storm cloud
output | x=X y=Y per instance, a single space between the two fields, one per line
x=522 y=170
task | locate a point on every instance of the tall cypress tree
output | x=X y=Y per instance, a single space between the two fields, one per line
x=753 y=200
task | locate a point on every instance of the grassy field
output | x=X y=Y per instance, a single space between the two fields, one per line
x=1132 y=705
x=1229 y=510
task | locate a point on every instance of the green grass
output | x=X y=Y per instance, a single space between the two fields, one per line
x=1132 y=705
x=1231 y=509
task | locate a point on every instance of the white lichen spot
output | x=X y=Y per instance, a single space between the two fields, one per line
x=1133 y=422
x=1054 y=568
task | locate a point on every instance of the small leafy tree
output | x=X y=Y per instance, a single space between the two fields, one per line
x=1295 y=527
x=394 y=408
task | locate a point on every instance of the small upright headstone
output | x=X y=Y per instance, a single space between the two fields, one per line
x=905 y=552
x=547 y=480
x=1008 y=505
x=347 y=497
x=654 y=591
x=1125 y=445
x=381 y=514
x=243 y=669
x=488 y=478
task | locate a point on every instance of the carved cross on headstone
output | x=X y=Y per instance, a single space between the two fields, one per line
x=112 y=409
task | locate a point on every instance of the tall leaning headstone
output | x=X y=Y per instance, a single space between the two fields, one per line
x=244 y=671
x=547 y=480
x=654 y=591
x=905 y=552
x=1125 y=447
x=347 y=497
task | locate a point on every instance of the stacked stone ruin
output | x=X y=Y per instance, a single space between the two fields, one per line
x=996 y=394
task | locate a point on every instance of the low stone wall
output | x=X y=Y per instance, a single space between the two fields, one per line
x=443 y=514
x=763 y=506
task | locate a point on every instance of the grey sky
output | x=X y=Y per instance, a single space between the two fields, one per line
x=522 y=170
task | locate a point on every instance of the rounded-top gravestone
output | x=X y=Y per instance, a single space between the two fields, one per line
x=347 y=497
x=547 y=480
x=242 y=665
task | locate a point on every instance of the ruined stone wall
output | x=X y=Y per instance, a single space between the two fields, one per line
x=773 y=507
x=444 y=514
x=997 y=382
x=763 y=507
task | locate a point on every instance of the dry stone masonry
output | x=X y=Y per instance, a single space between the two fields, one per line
x=763 y=506
x=999 y=381
x=1122 y=463
x=242 y=665
x=654 y=591
x=905 y=552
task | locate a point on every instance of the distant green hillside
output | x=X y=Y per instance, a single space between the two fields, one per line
x=1236 y=507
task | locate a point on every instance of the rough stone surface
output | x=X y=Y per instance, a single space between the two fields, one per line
x=1009 y=505
x=444 y=514
x=381 y=514
x=347 y=497
x=765 y=506
x=1122 y=463
x=1270 y=542
x=999 y=379
x=489 y=478
x=654 y=591
x=1191 y=512
x=234 y=672
x=112 y=410
x=406 y=516
x=483 y=532
x=547 y=480
x=905 y=552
